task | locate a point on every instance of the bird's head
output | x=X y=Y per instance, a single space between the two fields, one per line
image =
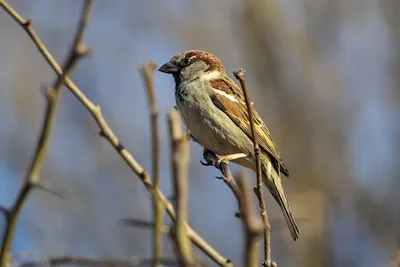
x=192 y=64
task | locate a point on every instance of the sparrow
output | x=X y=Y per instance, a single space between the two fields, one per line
x=214 y=110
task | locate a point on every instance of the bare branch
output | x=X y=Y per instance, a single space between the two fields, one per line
x=109 y=135
x=67 y=260
x=32 y=178
x=41 y=186
x=259 y=187
x=4 y=211
x=252 y=226
x=147 y=71
x=180 y=154
x=144 y=224
x=227 y=177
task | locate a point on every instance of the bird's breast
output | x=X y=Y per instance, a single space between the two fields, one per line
x=211 y=127
x=181 y=95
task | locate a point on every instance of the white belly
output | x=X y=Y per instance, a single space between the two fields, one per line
x=212 y=128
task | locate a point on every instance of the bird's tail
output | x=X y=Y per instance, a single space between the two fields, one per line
x=274 y=186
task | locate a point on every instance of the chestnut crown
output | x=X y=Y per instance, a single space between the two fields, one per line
x=192 y=64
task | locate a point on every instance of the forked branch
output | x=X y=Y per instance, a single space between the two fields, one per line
x=223 y=166
x=111 y=137
x=32 y=177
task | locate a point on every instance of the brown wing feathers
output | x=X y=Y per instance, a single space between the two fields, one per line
x=237 y=112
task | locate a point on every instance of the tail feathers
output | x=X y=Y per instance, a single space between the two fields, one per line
x=275 y=187
x=280 y=197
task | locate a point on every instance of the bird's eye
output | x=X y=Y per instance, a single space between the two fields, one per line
x=188 y=60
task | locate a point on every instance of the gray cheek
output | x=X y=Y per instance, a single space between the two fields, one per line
x=193 y=71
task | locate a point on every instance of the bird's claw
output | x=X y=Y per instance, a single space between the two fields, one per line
x=219 y=161
x=206 y=163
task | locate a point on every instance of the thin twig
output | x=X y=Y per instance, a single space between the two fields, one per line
x=110 y=136
x=259 y=188
x=147 y=71
x=4 y=211
x=252 y=226
x=67 y=260
x=42 y=186
x=227 y=177
x=143 y=224
x=180 y=154
x=32 y=178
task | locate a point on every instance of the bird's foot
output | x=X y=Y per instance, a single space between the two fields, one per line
x=229 y=157
x=209 y=157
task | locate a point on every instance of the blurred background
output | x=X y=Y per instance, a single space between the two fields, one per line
x=325 y=78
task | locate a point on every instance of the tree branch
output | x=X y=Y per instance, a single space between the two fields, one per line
x=259 y=187
x=147 y=71
x=180 y=154
x=143 y=224
x=32 y=178
x=227 y=177
x=252 y=225
x=67 y=260
x=110 y=136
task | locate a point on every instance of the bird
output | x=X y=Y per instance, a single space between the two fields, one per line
x=214 y=110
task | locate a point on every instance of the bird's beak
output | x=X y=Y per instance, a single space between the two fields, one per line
x=169 y=67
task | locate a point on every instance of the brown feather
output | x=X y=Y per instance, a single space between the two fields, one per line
x=275 y=188
x=237 y=112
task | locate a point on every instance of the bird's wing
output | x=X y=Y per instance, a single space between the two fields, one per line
x=235 y=107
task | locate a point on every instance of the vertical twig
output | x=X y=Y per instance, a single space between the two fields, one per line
x=147 y=71
x=259 y=188
x=32 y=178
x=252 y=225
x=180 y=154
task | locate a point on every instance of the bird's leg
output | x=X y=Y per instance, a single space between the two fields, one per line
x=211 y=159
x=207 y=154
x=229 y=157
